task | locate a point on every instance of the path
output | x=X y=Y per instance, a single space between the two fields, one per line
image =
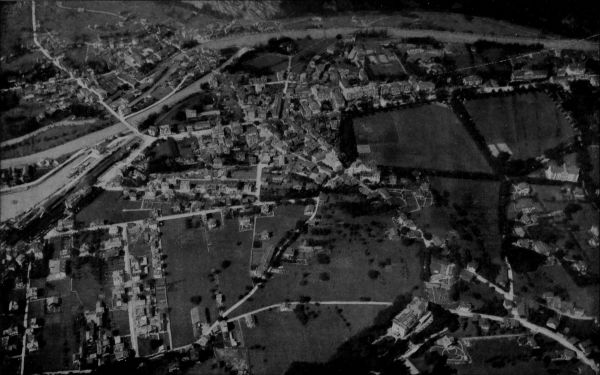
x=293 y=304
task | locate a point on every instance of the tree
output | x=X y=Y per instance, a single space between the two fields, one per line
x=225 y=264
x=300 y=312
x=323 y=258
x=196 y=300
x=324 y=276
x=373 y=274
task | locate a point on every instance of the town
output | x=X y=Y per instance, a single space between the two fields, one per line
x=294 y=196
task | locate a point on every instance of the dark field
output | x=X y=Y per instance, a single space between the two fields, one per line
x=285 y=339
x=487 y=354
x=108 y=208
x=528 y=123
x=427 y=137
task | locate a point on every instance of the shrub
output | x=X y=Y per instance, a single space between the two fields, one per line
x=373 y=274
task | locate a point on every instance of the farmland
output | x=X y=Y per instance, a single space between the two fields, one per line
x=108 y=208
x=200 y=262
x=528 y=123
x=279 y=337
x=425 y=137
x=186 y=275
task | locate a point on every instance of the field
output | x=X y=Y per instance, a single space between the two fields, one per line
x=49 y=138
x=264 y=63
x=186 y=275
x=59 y=338
x=20 y=120
x=200 y=262
x=16 y=27
x=51 y=17
x=279 y=338
x=528 y=123
x=108 y=208
x=427 y=137
x=500 y=356
x=360 y=246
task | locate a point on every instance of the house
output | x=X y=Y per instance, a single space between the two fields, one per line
x=562 y=173
x=57 y=269
x=521 y=189
x=443 y=273
x=552 y=323
x=211 y=223
x=165 y=130
x=152 y=131
x=264 y=235
x=408 y=318
x=472 y=80
x=190 y=114
x=53 y=304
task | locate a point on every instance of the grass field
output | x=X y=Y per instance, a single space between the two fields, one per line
x=201 y=263
x=265 y=62
x=15 y=19
x=20 y=120
x=486 y=352
x=528 y=123
x=279 y=338
x=193 y=254
x=428 y=137
x=359 y=246
x=108 y=208
x=59 y=339
x=187 y=268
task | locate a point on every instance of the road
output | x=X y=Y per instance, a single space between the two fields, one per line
x=293 y=304
x=54 y=233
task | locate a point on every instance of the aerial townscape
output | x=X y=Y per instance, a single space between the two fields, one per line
x=299 y=187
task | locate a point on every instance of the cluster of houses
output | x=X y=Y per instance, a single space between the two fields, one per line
x=100 y=345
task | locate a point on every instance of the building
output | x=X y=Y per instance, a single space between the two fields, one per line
x=472 y=80
x=403 y=323
x=562 y=173
x=57 y=268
